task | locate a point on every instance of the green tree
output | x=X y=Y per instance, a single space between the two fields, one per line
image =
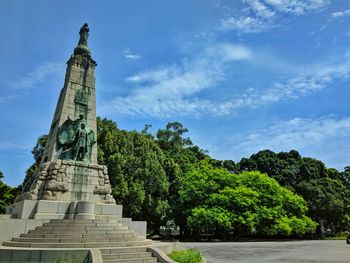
x=38 y=152
x=136 y=170
x=218 y=202
x=171 y=138
x=328 y=201
x=325 y=190
x=180 y=155
x=6 y=195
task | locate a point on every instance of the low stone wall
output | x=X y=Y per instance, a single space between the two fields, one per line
x=10 y=227
x=49 y=255
x=139 y=227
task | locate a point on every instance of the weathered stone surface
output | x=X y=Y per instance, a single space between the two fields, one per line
x=69 y=170
x=63 y=180
x=102 y=190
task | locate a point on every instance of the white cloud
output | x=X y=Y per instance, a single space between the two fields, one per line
x=297 y=7
x=296 y=133
x=130 y=55
x=315 y=79
x=261 y=15
x=232 y=52
x=246 y=24
x=170 y=90
x=38 y=75
x=341 y=13
x=156 y=75
x=174 y=90
x=326 y=138
x=260 y=9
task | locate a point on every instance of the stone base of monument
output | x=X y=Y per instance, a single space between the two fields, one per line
x=79 y=231
x=69 y=180
x=43 y=209
x=83 y=240
x=26 y=214
x=67 y=214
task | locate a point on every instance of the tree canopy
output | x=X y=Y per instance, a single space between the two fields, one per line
x=135 y=165
x=223 y=203
x=7 y=194
x=325 y=190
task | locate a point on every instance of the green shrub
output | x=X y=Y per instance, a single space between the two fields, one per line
x=187 y=256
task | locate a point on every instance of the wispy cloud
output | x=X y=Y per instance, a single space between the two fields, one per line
x=175 y=90
x=297 y=7
x=340 y=14
x=39 y=74
x=296 y=133
x=316 y=78
x=169 y=90
x=326 y=138
x=128 y=54
x=262 y=15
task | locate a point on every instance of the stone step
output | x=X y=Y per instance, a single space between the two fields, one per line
x=126 y=255
x=78 y=245
x=78 y=231
x=82 y=221
x=77 y=227
x=69 y=235
x=83 y=224
x=132 y=260
x=75 y=239
x=116 y=250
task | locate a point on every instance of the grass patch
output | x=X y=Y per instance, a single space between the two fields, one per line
x=186 y=256
x=340 y=237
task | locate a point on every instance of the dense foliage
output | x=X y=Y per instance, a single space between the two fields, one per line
x=217 y=201
x=7 y=194
x=38 y=152
x=325 y=190
x=136 y=172
x=165 y=177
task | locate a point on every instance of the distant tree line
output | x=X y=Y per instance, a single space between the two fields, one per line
x=165 y=177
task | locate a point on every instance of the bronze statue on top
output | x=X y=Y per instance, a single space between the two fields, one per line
x=82 y=48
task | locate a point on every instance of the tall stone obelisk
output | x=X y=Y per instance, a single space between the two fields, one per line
x=77 y=101
x=69 y=174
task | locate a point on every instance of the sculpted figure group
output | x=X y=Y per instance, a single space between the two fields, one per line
x=75 y=140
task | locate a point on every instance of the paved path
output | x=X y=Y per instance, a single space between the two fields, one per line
x=330 y=251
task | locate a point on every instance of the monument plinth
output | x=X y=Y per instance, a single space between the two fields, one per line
x=69 y=172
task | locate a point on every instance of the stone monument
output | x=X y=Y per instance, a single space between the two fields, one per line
x=69 y=177
x=66 y=211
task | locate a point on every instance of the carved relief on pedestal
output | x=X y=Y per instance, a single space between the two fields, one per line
x=55 y=180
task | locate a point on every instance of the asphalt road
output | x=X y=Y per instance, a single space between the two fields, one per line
x=330 y=251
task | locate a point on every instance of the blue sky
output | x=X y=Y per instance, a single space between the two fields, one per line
x=242 y=76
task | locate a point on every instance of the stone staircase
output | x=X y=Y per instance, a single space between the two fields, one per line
x=115 y=241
